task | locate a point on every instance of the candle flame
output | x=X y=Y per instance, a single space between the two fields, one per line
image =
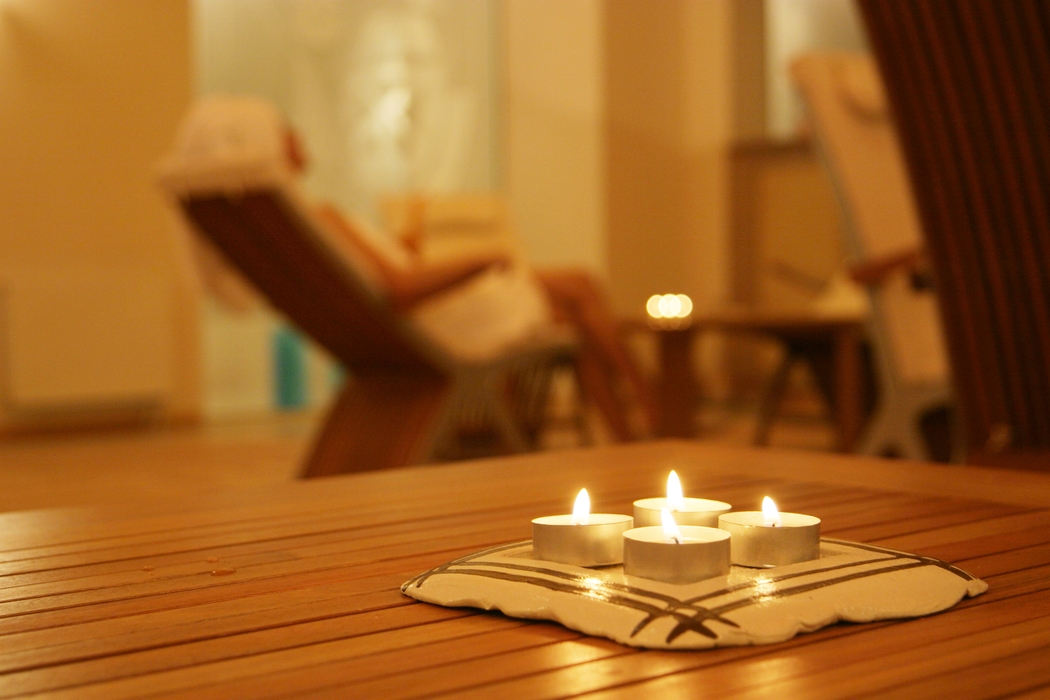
x=671 y=530
x=581 y=511
x=770 y=514
x=675 y=499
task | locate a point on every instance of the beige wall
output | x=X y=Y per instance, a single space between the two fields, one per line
x=90 y=95
x=669 y=123
x=554 y=159
x=619 y=115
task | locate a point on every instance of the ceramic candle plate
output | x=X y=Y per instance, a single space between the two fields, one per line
x=850 y=582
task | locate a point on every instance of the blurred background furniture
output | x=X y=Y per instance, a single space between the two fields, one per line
x=829 y=344
x=449 y=225
x=850 y=118
x=405 y=398
x=967 y=82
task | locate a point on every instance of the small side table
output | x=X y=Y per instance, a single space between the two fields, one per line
x=798 y=331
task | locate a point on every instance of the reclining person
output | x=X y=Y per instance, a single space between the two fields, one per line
x=474 y=307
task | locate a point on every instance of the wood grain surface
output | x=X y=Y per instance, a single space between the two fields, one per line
x=292 y=591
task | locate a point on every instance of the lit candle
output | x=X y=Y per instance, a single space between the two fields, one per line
x=669 y=310
x=674 y=554
x=583 y=538
x=686 y=511
x=771 y=538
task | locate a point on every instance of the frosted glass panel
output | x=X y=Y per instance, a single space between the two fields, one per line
x=389 y=95
x=795 y=26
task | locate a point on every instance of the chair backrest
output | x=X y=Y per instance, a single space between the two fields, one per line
x=967 y=82
x=231 y=171
x=281 y=249
x=849 y=114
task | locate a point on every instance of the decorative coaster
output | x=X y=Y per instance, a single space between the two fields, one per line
x=850 y=582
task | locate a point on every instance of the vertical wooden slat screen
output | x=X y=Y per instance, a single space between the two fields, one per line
x=969 y=81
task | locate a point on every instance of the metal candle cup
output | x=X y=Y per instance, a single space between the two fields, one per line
x=701 y=553
x=693 y=511
x=599 y=542
x=760 y=545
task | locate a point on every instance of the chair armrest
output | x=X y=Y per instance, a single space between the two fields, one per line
x=874 y=271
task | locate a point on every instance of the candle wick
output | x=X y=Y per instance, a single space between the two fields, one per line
x=676 y=540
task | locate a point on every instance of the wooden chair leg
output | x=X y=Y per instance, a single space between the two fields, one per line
x=771 y=399
x=377 y=422
x=597 y=386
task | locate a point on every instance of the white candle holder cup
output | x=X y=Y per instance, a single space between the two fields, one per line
x=759 y=545
x=700 y=512
x=598 y=542
x=701 y=553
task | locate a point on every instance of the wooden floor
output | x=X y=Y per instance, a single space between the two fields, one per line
x=47 y=471
x=144 y=468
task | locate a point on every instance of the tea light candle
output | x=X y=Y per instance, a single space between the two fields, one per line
x=676 y=555
x=771 y=538
x=583 y=538
x=686 y=511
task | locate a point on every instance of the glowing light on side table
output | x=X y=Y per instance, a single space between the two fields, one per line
x=669 y=310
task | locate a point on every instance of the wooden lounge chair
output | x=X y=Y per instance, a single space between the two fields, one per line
x=406 y=398
x=849 y=115
x=967 y=82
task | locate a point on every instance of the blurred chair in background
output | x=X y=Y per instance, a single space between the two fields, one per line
x=232 y=176
x=967 y=82
x=850 y=117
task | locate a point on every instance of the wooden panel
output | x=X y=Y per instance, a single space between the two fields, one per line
x=293 y=591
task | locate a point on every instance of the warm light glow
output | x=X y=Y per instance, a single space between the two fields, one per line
x=581 y=512
x=671 y=530
x=594 y=587
x=770 y=514
x=765 y=588
x=652 y=307
x=675 y=499
x=669 y=306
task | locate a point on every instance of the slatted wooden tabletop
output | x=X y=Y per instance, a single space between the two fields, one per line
x=294 y=591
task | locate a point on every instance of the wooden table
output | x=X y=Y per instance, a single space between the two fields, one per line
x=294 y=591
x=799 y=332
